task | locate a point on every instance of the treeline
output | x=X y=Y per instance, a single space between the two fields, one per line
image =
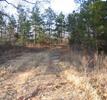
x=86 y=27
x=32 y=26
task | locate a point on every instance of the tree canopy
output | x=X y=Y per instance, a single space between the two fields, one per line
x=85 y=26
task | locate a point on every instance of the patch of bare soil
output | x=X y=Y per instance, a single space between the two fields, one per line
x=46 y=75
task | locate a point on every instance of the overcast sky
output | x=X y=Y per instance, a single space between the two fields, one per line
x=66 y=6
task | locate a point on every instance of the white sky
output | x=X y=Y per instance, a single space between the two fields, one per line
x=66 y=6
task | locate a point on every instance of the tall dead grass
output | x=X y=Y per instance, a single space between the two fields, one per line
x=88 y=62
x=88 y=73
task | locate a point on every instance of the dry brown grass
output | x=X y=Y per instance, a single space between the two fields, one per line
x=94 y=86
x=74 y=82
x=69 y=85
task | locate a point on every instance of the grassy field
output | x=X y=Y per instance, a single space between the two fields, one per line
x=45 y=73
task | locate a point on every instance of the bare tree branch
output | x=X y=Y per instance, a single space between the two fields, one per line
x=4 y=14
x=38 y=1
x=11 y=4
x=48 y=1
x=28 y=2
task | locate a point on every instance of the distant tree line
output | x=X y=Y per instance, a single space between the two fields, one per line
x=47 y=26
